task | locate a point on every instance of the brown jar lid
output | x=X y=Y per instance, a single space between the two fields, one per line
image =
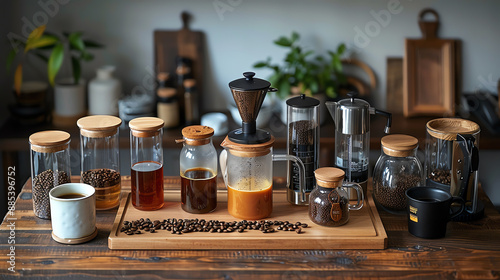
x=248 y=150
x=163 y=76
x=98 y=126
x=189 y=83
x=166 y=92
x=329 y=177
x=399 y=145
x=448 y=128
x=49 y=141
x=146 y=126
x=197 y=135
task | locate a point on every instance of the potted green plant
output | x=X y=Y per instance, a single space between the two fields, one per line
x=302 y=72
x=69 y=93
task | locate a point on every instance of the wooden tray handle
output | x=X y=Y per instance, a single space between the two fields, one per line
x=428 y=28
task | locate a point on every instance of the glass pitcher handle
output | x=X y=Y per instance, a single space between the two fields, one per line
x=360 y=195
x=223 y=165
x=302 y=172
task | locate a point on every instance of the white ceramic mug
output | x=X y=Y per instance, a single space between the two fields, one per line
x=73 y=219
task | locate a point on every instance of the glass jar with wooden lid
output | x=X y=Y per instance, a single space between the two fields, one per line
x=329 y=201
x=146 y=161
x=397 y=169
x=50 y=167
x=198 y=170
x=100 y=158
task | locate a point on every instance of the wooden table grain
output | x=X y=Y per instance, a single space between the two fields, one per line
x=469 y=250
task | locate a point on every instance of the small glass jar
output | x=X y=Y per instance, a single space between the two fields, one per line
x=100 y=158
x=329 y=201
x=198 y=170
x=397 y=169
x=146 y=161
x=50 y=167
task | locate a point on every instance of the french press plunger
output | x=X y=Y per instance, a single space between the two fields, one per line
x=246 y=161
x=352 y=136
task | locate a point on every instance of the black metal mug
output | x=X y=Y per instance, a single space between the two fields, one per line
x=429 y=210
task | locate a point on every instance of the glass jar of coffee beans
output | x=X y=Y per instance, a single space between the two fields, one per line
x=50 y=167
x=397 y=169
x=100 y=158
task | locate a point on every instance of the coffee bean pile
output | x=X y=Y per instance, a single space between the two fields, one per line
x=320 y=213
x=441 y=176
x=394 y=197
x=101 y=178
x=182 y=226
x=42 y=184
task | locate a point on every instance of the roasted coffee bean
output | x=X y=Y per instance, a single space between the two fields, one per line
x=298 y=230
x=394 y=197
x=42 y=184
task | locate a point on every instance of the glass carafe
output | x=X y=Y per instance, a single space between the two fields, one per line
x=248 y=174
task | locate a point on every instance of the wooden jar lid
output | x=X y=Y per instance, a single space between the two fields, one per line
x=146 y=126
x=448 y=128
x=248 y=150
x=399 y=145
x=197 y=135
x=329 y=177
x=49 y=141
x=98 y=126
x=166 y=92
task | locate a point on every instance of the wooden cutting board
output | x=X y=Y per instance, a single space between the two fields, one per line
x=394 y=85
x=170 y=44
x=430 y=72
x=363 y=231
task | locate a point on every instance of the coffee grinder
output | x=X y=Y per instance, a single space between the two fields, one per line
x=246 y=161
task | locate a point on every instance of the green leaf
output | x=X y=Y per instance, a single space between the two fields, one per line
x=92 y=44
x=337 y=63
x=283 y=41
x=284 y=89
x=341 y=49
x=314 y=87
x=10 y=58
x=43 y=41
x=35 y=34
x=260 y=64
x=295 y=36
x=87 y=56
x=76 y=42
x=77 y=69
x=55 y=62
x=330 y=92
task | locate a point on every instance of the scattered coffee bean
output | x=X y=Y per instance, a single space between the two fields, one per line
x=298 y=230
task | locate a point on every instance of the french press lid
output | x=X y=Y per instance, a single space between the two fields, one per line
x=302 y=101
x=353 y=115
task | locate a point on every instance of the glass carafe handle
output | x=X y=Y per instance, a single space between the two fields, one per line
x=359 y=191
x=302 y=172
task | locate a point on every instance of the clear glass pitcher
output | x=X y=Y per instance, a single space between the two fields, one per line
x=247 y=170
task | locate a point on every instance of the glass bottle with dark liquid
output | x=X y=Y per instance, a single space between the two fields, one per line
x=146 y=160
x=198 y=170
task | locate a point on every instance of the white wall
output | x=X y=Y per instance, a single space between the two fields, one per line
x=243 y=33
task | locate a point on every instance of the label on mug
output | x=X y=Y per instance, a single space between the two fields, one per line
x=413 y=218
x=413 y=210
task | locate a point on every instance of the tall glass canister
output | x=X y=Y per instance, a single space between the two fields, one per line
x=146 y=161
x=50 y=167
x=100 y=158
x=198 y=170
x=303 y=142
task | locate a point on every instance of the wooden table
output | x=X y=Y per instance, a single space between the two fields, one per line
x=470 y=250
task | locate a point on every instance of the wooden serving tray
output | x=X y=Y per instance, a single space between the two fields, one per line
x=363 y=231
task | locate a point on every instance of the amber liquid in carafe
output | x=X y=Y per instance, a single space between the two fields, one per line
x=198 y=190
x=147 y=185
x=244 y=201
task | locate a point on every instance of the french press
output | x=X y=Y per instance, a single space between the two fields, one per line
x=246 y=161
x=452 y=161
x=352 y=136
